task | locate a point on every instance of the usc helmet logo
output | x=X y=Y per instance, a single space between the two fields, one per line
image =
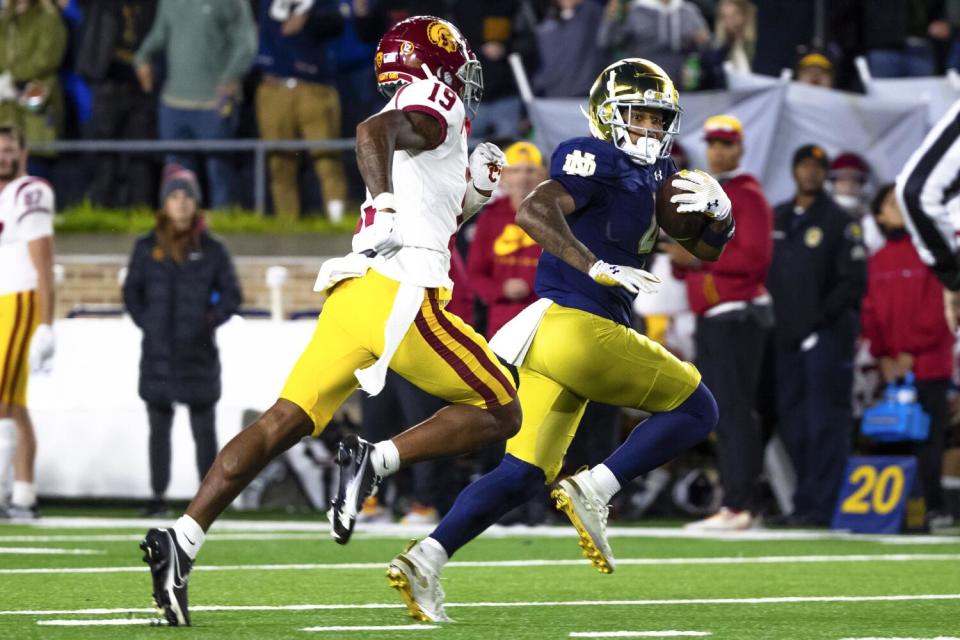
x=439 y=34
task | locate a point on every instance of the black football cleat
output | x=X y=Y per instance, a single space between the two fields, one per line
x=170 y=567
x=357 y=483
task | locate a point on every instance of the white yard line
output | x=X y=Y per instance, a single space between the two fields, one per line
x=49 y=551
x=320 y=525
x=639 y=634
x=898 y=638
x=505 y=605
x=113 y=622
x=474 y=564
x=394 y=627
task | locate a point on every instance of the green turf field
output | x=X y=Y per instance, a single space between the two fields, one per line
x=278 y=579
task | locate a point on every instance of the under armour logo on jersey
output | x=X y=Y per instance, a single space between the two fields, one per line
x=580 y=164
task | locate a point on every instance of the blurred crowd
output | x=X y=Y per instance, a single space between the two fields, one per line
x=288 y=69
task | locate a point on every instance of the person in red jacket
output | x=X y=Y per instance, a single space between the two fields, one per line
x=903 y=318
x=503 y=258
x=733 y=317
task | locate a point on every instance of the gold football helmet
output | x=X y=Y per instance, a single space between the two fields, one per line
x=628 y=84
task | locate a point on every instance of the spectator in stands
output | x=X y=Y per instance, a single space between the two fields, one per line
x=817 y=279
x=208 y=47
x=112 y=32
x=734 y=43
x=297 y=97
x=733 y=318
x=905 y=322
x=847 y=182
x=814 y=68
x=567 y=45
x=896 y=34
x=503 y=258
x=180 y=286
x=489 y=27
x=33 y=41
x=664 y=31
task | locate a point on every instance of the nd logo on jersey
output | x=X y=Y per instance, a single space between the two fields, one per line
x=580 y=164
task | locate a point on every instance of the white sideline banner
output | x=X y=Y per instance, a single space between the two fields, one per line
x=778 y=116
x=92 y=426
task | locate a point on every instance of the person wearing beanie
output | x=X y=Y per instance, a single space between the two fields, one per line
x=180 y=286
x=817 y=279
x=733 y=319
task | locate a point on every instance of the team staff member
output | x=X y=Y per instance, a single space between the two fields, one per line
x=26 y=312
x=503 y=257
x=817 y=280
x=733 y=318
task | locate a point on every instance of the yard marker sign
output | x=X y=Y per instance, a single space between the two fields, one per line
x=880 y=494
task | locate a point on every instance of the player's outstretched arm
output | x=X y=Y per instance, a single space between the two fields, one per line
x=380 y=135
x=543 y=214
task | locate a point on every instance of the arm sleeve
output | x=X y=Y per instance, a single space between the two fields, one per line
x=438 y=101
x=45 y=58
x=751 y=249
x=480 y=265
x=921 y=189
x=227 y=284
x=134 y=285
x=849 y=276
x=34 y=210
x=156 y=40
x=243 y=35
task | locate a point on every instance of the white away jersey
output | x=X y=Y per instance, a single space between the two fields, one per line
x=26 y=213
x=428 y=188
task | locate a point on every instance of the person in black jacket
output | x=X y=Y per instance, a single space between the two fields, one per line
x=180 y=286
x=112 y=33
x=817 y=280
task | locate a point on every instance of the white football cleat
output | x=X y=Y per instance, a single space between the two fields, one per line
x=723 y=520
x=577 y=498
x=418 y=585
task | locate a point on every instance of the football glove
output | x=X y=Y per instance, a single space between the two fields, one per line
x=705 y=195
x=380 y=236
x=41 y=349
x=630 y=278
x=486 y=164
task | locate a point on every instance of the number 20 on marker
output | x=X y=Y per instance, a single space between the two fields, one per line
x=874 y=494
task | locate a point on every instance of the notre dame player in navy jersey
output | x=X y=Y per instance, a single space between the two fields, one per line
x=595 y=220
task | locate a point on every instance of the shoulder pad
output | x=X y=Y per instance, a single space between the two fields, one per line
x=588 y=158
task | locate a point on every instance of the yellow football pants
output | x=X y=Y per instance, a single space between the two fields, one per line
x=18 y=319
x=440 y=353
x=578 y=356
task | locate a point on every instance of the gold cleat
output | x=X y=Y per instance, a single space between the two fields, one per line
x=589 y=517
x=419 y=588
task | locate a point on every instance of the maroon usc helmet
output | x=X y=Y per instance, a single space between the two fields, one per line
x=427 y=40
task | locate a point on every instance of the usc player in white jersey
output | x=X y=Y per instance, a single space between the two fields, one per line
x=26 y=312
x=384 y=307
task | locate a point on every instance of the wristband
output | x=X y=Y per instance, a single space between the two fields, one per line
x=384 y=201
x=717 y=239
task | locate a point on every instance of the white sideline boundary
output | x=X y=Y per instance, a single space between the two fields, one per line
x=396 y=530
x=49 y=551
x=474 y=564
x=639 y=634
x=505 y=605
x=114 y=622
x=391 y=627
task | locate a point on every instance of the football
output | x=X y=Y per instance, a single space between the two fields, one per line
x=679 y=226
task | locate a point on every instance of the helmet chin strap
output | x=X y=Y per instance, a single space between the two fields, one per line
x=426 y=70
x=644 y=151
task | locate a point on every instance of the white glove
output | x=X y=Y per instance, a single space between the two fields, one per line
x=705 y=195
x=486 y=163
x=8 y=90
x=41 y=349
x=632 y=279
x=381 y=236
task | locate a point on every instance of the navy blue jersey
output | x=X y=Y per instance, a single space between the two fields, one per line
x=614 y=218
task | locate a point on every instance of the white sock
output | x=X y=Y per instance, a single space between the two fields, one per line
x=24 y=494
x=433 y=553
x=8 y=444
x=189 y=535
x=385 y=458
x=605 y=483
x=335 y=210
